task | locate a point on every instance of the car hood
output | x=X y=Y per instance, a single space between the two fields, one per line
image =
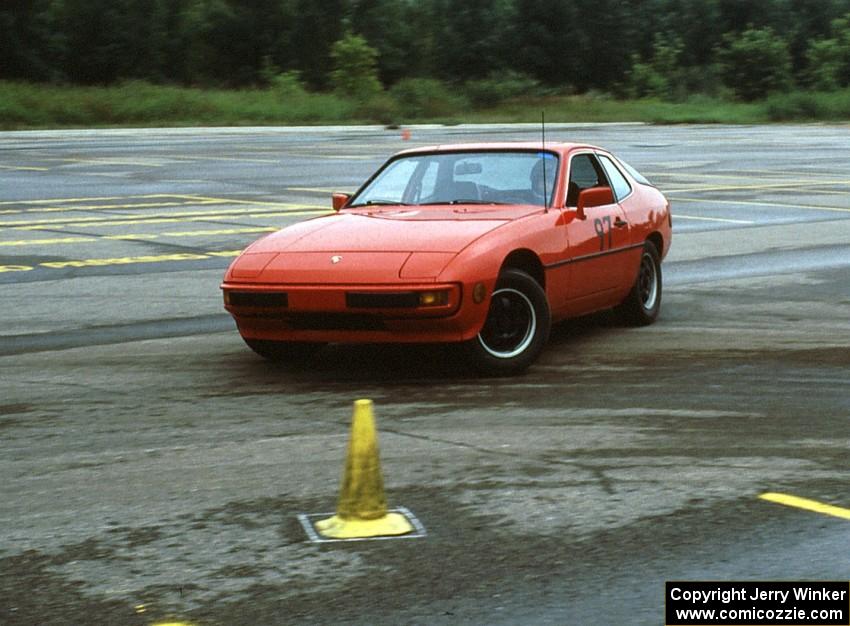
x=378 y=246
x=400 y=229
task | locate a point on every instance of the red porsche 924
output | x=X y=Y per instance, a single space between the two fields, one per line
x=480 y=245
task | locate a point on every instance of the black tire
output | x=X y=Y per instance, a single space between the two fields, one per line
x=516 y=329
x=642 y=305
x=283 y=351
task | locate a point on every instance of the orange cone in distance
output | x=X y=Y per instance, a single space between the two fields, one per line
x=362 y=509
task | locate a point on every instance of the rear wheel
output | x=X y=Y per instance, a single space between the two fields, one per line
x=516 y=328
x=283 y=351
x=642 y=305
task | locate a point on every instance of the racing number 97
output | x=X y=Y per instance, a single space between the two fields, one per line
x=602 y=226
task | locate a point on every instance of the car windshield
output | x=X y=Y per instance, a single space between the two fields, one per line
x=486 y=177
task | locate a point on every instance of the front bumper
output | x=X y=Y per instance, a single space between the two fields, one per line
x=407 y=313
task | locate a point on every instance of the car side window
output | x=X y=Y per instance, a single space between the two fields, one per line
x=584 y=174
x=619 y=183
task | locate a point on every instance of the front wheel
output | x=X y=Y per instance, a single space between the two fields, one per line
x=516 y=328
x=642 y=305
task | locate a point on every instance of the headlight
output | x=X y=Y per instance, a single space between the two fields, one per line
x=434 y=298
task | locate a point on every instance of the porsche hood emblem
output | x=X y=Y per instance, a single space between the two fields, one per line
x=336 y=259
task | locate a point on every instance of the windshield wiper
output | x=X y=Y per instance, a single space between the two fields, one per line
x=379 y=203
x=476 y=202
x=451 y=202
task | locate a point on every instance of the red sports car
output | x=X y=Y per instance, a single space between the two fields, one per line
x=479 y=245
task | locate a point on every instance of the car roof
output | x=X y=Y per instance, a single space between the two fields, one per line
x=554 y=146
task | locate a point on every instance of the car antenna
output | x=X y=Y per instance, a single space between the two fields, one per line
x=543 y=157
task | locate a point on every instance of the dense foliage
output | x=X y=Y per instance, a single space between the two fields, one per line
x=666 y=49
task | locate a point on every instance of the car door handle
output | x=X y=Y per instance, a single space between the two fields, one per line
x=620 y=223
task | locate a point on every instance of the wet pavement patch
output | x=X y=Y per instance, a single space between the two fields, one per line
x=31 y=593
x=15 y=409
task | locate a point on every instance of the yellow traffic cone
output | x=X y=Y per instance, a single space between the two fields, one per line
x=362 y=509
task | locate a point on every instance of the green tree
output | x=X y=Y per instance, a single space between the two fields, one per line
x=471 y=42
x=540 y=27
x=755 y=63
x=391 y=28
x=662 y=76
x=603 y=39
x=586 y=44
x=826 y=64
x=829 y=59
x=232 y=42
x=25 y=40
x=316 y=27
x=97 y=44
x=841 y=32
x=355 y=68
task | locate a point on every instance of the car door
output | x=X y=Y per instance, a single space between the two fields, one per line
x=597 y=241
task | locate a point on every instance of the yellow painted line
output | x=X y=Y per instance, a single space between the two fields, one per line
x=314 y=190
x=95 y=199
x=134 y=260
x=107 y=161
x=107 y=207
x=221 y=231
x=192 y=233
x=786 y=185
x=209 y=158
x=177 y=220
x=711 y=219
x=24 y=168
x=186 y=220
x=829 y=192
x=128 y=237
x=806 y=504
x=128 y=260
x=153 y=218
x=266 y=203
x=15 y=268
x=782 y=205
x=46 y=242
x=291 y=213
x=140 y=236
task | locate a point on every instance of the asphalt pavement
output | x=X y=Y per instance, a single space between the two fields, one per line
x=153 y=468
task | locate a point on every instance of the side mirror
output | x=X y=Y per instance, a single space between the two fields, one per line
x=339 y=200
x=595 y=196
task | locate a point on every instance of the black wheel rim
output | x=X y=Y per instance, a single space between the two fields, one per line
x=510 y=326
x=648 y=282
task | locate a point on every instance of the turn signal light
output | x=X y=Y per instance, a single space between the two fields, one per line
x=479 y=292
x=434 y=298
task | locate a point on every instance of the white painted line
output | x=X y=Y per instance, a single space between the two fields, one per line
x=781 y=205
x=710 y=219
x=419 y=528
x=802 y=185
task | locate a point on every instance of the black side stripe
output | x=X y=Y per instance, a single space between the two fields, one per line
x=595 y=255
